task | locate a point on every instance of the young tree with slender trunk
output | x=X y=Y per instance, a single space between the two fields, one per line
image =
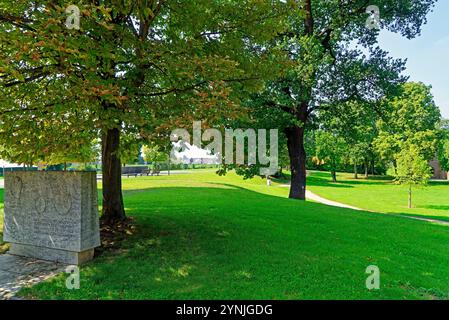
x=412 y=169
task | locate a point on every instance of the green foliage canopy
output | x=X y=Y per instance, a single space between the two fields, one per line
x=410 y=117
x=139 y=66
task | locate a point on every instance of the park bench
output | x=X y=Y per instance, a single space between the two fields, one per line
x=155 y=172
x=134 y=171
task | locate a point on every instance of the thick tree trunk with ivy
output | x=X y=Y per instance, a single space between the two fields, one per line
x=113 y=208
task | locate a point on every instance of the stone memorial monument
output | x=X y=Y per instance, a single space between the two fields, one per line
x=52 y=215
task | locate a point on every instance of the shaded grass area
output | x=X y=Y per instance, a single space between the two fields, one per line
x=207 y=237
x=381 y=194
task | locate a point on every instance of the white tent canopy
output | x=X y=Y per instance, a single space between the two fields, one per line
x=193 y=153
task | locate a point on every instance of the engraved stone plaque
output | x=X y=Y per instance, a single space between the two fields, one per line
x=52 y=215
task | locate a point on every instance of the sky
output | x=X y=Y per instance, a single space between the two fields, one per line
x=427 y=54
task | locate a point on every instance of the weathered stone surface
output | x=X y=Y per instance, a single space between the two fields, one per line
x=57 y=255
x=17 y=272
x=52 y=215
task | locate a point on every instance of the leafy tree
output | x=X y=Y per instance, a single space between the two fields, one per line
x=354 y=121
x=153 y=153
x=357 y=155
x=52 y=138
x=131 y=67
x=325 y=69
x=129 y=149
x=412 y=117
x=443 y=154
x=443 y=145
x=330 y=150
x=87 y=152
x=412 y=169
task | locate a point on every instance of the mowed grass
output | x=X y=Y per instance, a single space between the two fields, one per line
x=381 y=194
x=200 y=236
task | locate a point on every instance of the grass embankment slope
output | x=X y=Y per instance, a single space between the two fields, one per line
x=200 y=236
x=381 y=194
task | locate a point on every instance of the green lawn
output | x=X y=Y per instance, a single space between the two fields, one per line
x=383 y=195
x=204 y=237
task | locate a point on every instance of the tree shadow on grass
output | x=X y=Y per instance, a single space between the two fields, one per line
x=233 y=232
x=314 y=179
x=439 y=182
x=366 y=182
x=324 y=179
x=235 y=243
x=436 y=207
x=326 y=182
x=422 y=216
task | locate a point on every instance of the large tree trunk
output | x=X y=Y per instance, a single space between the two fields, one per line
x=295 y=135
x=356 y=172
x=113 y=208
x=366 y=169
x=297 y=154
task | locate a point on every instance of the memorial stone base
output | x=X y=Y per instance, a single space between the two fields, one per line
x=52 y=215
x=49 y=254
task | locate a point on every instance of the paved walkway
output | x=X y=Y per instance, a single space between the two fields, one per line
x=311 y=196
x=17 y=272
